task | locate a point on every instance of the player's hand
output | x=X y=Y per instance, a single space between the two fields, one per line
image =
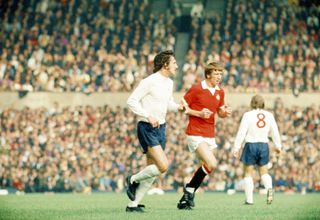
x=184 y=104
x=228 y=110
x=235 y=153
x=278 y=156
x=278 y=151
x=205 y=113
x=181 y=108
x=224 y=112
x=154 y=122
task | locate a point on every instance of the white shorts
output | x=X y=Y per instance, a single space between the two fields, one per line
x=194 y=141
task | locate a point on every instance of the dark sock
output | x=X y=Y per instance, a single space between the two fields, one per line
x=197 y=179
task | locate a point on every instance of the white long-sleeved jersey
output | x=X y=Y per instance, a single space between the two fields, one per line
x=255 y=127
x=153 y=96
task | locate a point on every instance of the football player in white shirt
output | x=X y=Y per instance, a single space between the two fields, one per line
x=150 y=101
x=254 y=130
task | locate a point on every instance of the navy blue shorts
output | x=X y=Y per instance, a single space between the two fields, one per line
x=255 y=154
x=151 y=137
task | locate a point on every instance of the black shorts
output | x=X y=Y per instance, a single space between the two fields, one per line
x=255 y=154
x=151 y=137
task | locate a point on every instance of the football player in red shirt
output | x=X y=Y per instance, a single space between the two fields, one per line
x=202 y=102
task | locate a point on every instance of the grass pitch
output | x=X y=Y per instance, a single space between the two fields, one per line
x=112 y=206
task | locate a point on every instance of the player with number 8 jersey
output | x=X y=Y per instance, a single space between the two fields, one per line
x=254 y=130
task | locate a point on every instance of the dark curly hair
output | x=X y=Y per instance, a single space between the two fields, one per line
x=162 y=59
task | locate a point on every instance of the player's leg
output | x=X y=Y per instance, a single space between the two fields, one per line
x=205 y=155
x=152 y=140
x=153 y=170
x=208 y=161
x=144 y=186
x=248 y=183
x=263 y=155
x=160 y=165
x=267 y=182
x=203 y=147
x=249 y=159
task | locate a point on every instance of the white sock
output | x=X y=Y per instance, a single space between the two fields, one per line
x=141 y=191
x=248 y=189
x=190 y=189
x=267 y=181
x=148 y=172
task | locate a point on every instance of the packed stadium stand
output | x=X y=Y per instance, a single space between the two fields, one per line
x=61 y=46
x=108 y=46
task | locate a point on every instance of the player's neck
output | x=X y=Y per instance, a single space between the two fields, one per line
x=209 y=84
x=164 y=73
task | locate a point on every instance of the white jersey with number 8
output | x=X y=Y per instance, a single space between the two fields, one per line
x=255 y=126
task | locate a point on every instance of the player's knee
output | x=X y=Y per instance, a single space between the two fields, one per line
x=206 y=168
x=247 y=173
x=263 y=173
x=211 y=166
x=163 y=168
x=248 y=170
x=263 y=170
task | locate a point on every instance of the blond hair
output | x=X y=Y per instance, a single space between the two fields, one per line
x=212 y=66
x=257 y=101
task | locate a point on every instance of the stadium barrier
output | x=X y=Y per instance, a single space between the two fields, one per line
x=47 y=99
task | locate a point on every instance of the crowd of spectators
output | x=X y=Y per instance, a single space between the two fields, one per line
x=79 y=46
x=267 y=46
x=109 y=45
x=86 y=149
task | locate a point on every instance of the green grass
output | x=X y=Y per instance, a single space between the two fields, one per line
x=112 y=206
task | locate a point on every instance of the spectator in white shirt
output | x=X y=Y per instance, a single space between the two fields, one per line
x=197 y=9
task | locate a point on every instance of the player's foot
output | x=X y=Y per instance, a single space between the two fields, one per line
x=141 y=206
x=134 y=209
x=186 y=201
x=189 y=197
x=131 y=190
x=269 y=196
x=184 y=206
x=248 y=203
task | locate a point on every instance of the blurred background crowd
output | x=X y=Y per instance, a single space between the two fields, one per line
x=109 y=46
x=93 y=149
